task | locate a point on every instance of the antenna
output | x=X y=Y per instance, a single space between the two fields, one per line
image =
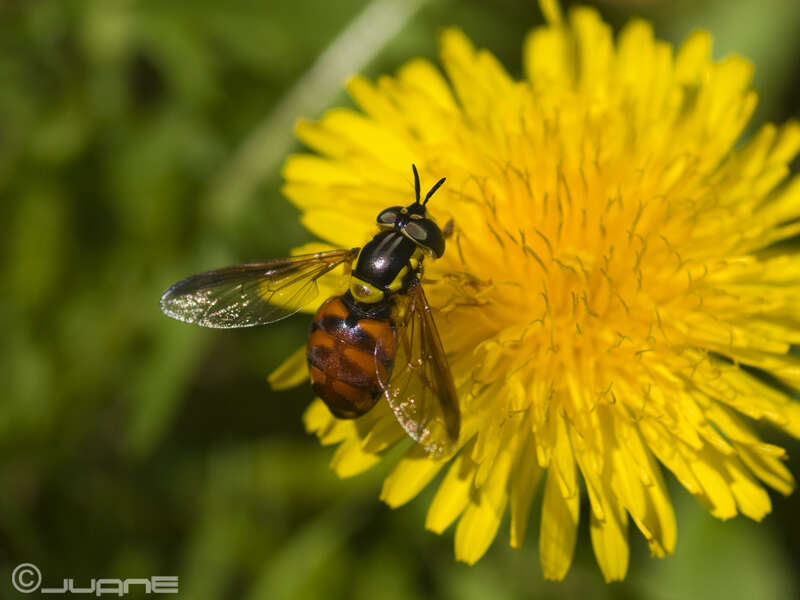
x=433 y=189
x=416 y=181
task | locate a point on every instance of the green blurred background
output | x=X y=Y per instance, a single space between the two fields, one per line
x=141 y=141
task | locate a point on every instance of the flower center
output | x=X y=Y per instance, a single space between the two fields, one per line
x=582 y=273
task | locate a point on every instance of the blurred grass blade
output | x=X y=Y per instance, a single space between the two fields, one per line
x=269 y=141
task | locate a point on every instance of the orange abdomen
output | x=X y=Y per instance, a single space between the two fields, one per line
x=342 y=359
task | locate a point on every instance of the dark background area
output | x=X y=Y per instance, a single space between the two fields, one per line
x=141 y=141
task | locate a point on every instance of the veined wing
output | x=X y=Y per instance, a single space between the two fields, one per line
x=251 y=294
x=420 y=389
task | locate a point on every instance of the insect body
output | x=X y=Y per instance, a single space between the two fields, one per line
x=377 y=339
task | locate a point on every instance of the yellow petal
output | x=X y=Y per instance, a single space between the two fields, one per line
x=318 y=138
x=330 y=430
x=478 y=525
x=595 y=51
x=667 y=450
x=476 y=77
x=767 y=468
x=411 y=474
x=381 y=431
x=317 y=417
x=293 y=371
x=350 y=459
x=609 y=521
x=563 y=461
x=316 y=169
x=338 y=227
x=655 y=516
x=363 y=134
x=523 y=483
x=610 y=541
x=751 y=498
x=551 y=9
x=693 y=57
x=549 y=59
x=453 y=494
x=425 y=76
x=716 y=496
x=373 y=102
x=558 y=530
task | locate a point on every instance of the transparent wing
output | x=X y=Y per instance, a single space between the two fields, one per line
x=420 y=388
x=251 y=294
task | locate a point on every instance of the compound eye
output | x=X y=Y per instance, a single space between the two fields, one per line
x=416 y=231
x=426 y=234
x=388 y=217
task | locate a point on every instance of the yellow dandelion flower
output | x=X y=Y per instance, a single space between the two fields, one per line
x=613 y=297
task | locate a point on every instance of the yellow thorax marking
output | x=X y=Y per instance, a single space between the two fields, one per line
x=364 y=292
x=397 y=282
x=415 y=258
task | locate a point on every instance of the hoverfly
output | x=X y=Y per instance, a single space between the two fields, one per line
x=377 y=339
